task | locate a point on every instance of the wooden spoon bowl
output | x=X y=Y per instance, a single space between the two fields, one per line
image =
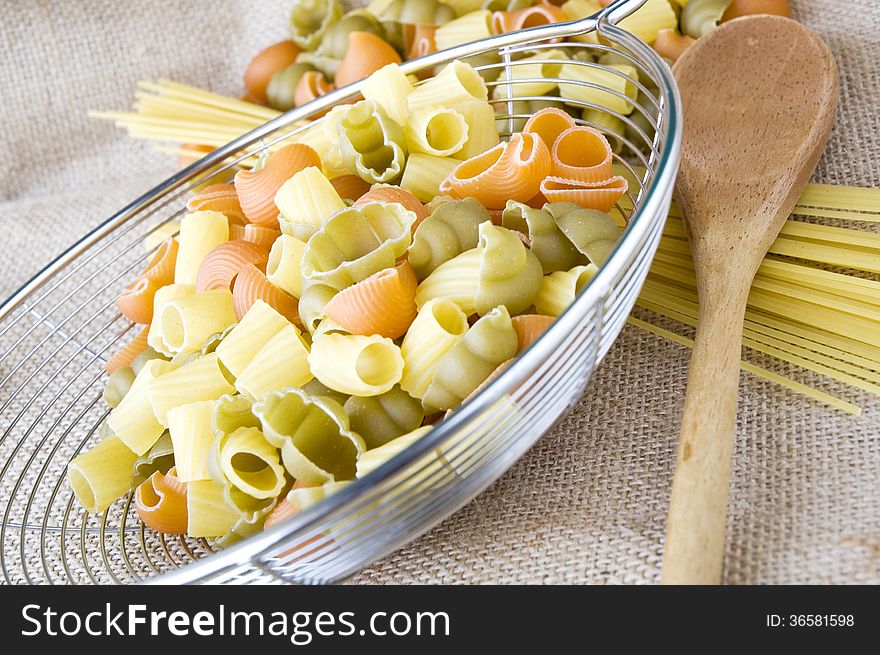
x=759 y=96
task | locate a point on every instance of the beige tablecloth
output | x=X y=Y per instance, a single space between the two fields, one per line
x=588 y=503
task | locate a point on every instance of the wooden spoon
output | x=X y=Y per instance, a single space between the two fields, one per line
x=759 y=95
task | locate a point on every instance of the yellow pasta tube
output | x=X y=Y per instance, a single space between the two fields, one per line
x=200 y=379
x=283 y=268
x=650 y=18
x=187 y=321
x=134 y=421
x=482 y=129
x=438 y=131
x=257 y=326
x=463 y=7
x=439 y=325
x=524 y=69
x=373 y=459
x=457 y=280
x=282 y=362
x=559 y=289
x=389 y=88
x=601 y=78
x=102 y=474
x=191 y=437
x=200 y=233
x=252 y=464
x=208 y=514
x=456 y=83
x=306 y=200
x=472 y=26
x=423 y=174
x=356 y=365
x=166 y=294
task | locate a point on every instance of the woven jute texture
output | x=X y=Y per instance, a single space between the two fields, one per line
x=588 y=503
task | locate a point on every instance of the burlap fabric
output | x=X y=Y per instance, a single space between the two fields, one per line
x=588 y=503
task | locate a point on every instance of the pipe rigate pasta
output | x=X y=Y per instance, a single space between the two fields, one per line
x=548 y=124
x=160 y=268
x=256 y=190
x=261 y=235
x=124 y=357
x=312 y=84
x=559 y=289
x=581 y=153
x=350 y=187
x=220 y=266
x=366 y=53
x=601 y=195
x=382 y=304
x=371 y=144
x=335 y=41
x=547 y=241
x=452 y=228
x=136 y=302
x=511 y=170
x=251 y=285
x=499 y=271
x=381 y=418
x=490 y=342
x=594 y=233
x=357 y=242
x=310 y=19
x=160 y=503
x=313 y=433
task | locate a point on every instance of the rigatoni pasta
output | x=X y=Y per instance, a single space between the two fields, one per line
x=356 y=365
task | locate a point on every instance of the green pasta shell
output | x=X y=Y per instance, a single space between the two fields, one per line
x=251 y=512
x=313 y=433
x=323 y=63
x=310 y=19
x=594 y=233
x=371 y=144
x=490 y=342
x=335 y=41
x=314 y=298
x=315 y=387
x=699 y=17
x=510 y=274
x=158 y=458
x=148 y=353
x=452 y=228
x=548 y=242
x=356 y=242
x=282 y=86
x=379 y=419
x=117 y=385
x=507 y=5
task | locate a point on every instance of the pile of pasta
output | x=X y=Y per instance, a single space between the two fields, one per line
x=324 y=311
x=329 y=49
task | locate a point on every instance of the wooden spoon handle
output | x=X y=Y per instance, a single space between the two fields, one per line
x=695 y=531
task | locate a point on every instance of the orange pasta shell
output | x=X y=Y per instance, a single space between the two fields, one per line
x=160 y=268
x=671 y=44
x=219 y=198
x=311 y=85
x=509 y=171
x=366 y=54
x=398 y=195
x=262 y=67
x=136 y=302
x=549 y=123
x=125 y=356
x=382 y=304
x=350 y=187
x=256 y=190
x=529 y=327
x=236 y=231
x=597 y=195
x=262 y=236
x=160 y=502
x=251 y=284
x=581 y=153
x=220 y=266
x=521 y=19
x=739 y=8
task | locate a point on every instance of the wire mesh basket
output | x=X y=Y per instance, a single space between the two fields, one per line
x=59 y=329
